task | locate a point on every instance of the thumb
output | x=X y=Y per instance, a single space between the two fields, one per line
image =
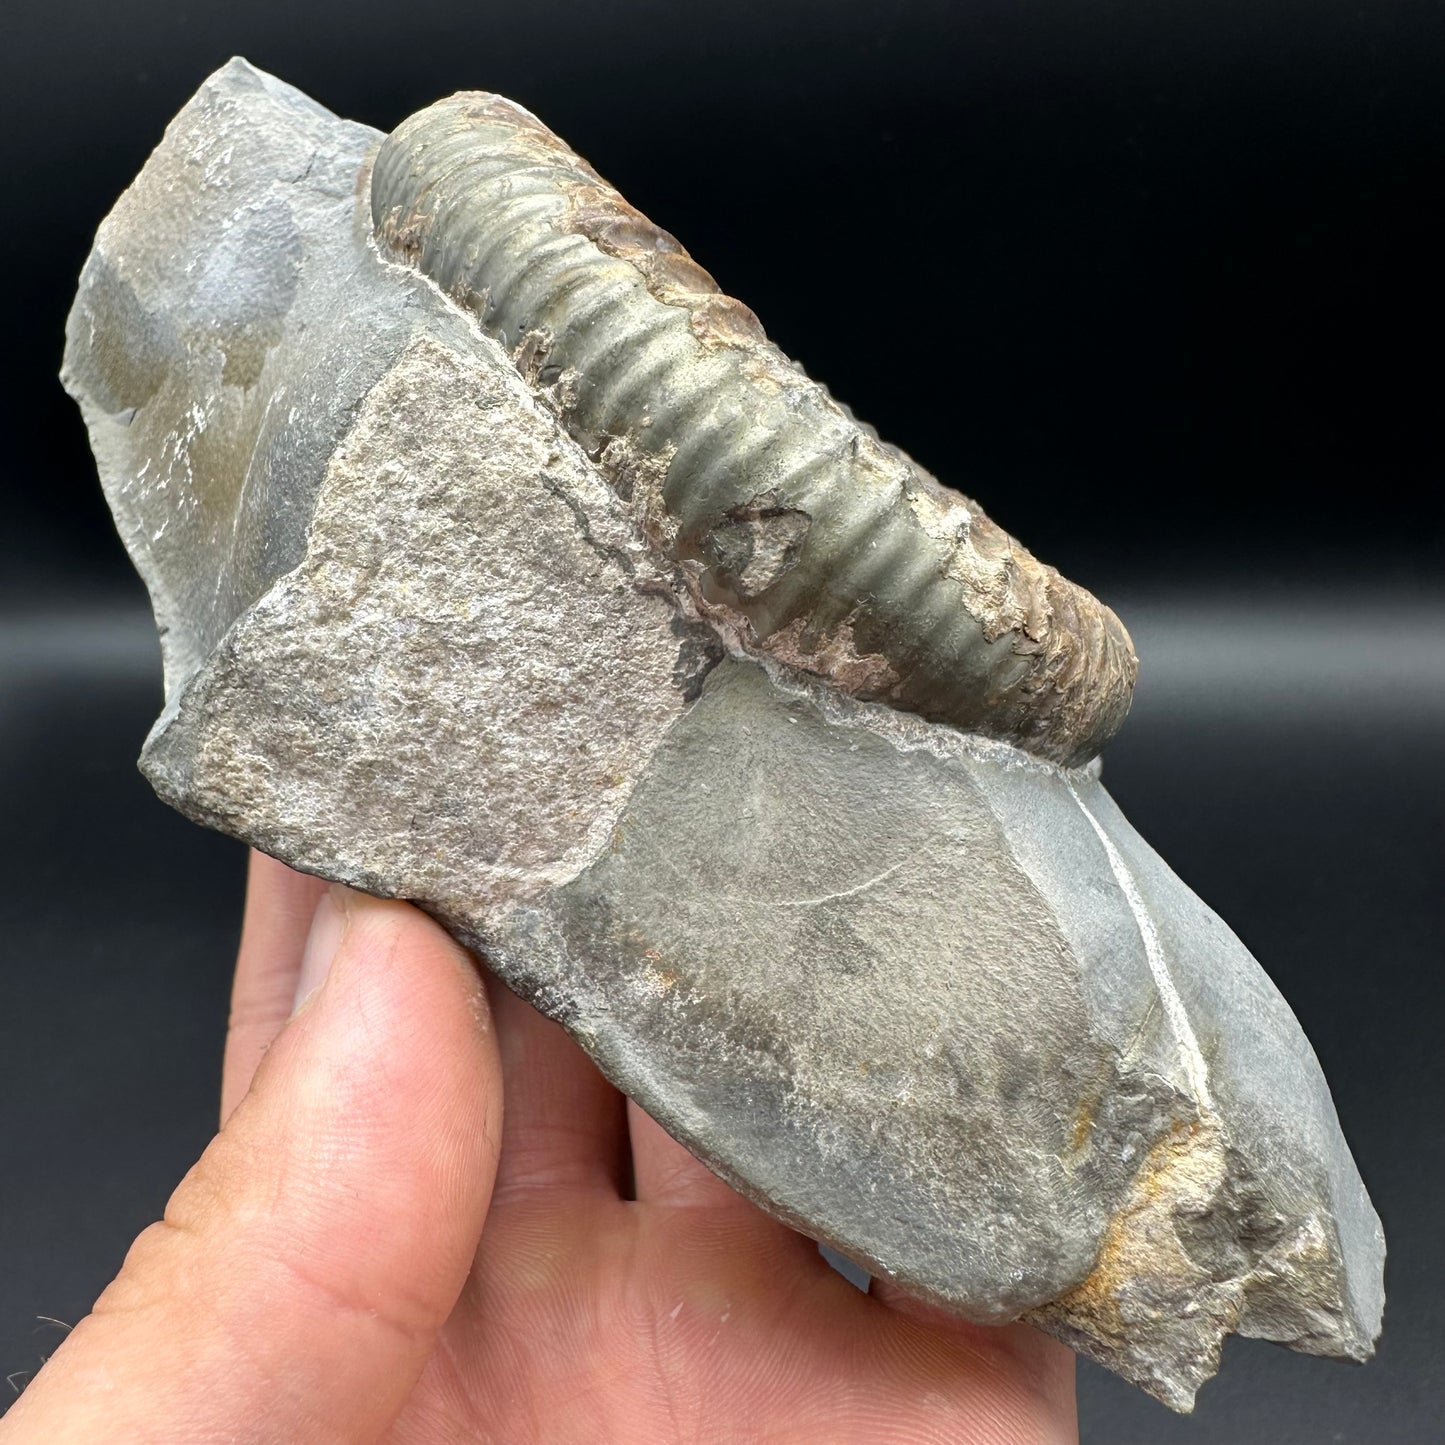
x=304 y=1266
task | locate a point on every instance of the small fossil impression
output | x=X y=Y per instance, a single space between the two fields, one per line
x=501 y=564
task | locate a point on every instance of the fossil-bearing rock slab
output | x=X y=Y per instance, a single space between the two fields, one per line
x=920 y=992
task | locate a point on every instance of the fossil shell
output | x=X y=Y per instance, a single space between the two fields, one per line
x=931 y=1001
x=809 y=539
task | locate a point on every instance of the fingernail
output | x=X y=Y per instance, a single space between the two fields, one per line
x=327 y=926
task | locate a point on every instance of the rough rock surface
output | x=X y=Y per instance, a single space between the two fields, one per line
x=929 y=999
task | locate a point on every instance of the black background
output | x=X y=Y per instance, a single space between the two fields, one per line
x=1154 y=282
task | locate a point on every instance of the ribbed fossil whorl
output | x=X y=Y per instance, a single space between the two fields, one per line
x=817 y=543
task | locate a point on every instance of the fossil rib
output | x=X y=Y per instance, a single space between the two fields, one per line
x=826 y=548
x=919 y=993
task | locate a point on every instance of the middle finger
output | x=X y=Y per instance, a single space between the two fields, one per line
x=563 y=1125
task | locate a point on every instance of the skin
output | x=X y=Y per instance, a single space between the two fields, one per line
x=373 y=1249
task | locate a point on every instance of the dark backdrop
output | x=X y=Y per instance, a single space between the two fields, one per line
x=1154 y=282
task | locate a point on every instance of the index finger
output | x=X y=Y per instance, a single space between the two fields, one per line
x=280 y=904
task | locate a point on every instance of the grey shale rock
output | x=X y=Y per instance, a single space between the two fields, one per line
x=923 y=994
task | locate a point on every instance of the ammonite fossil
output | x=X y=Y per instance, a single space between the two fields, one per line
x=501 y=565
x=823 y=546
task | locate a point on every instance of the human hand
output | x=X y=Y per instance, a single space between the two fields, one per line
x=371 y=1249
